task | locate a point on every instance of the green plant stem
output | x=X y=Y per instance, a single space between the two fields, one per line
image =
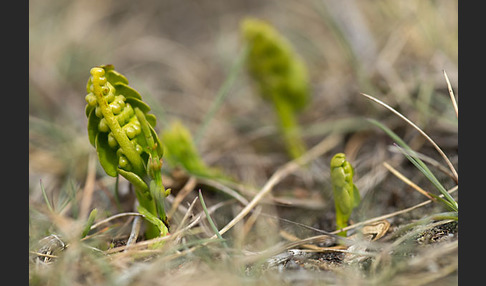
x=117 y=193
x=151 y=230
x=136 y=161
x=156 y=190
x=289 y=128
x=154 y=167
x=117 y=131
x=341 y=222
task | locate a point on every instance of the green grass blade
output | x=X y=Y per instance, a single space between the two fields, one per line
x=445 y=202
x=70 y=199
x=222 y=93
x=408 y=152
x=44 y=194
x=451 y=202
x=210 y=220
x=89 y=223
x=390 y=133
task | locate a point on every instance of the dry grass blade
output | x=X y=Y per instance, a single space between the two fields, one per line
x=106 y=220
x=251 y=221
x=88 y=187
x=378 y=218
x=186 y=216
x=406 y=180
x=223 y=188
x=176 y=234
x=145 y=243
x=256 y=256
x=134 y=233
x=449 y=202
x=292 y=238
x=430 y=256
x=188 y=187
x=448 y=162
x=426 y=159
x=138 y=245
x=451 y=93
x=321 y=148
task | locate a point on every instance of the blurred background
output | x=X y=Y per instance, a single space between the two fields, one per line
x=178 y=54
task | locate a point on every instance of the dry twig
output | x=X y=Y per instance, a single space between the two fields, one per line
x=321 y=148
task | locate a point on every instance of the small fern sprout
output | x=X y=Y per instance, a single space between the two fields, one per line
x=281 y=77
x=180 y=151
x=346 y=195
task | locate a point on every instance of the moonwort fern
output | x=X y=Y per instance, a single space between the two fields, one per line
x=346 y=195
x=122 y=131
x=281 y=77
x=180 y=151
